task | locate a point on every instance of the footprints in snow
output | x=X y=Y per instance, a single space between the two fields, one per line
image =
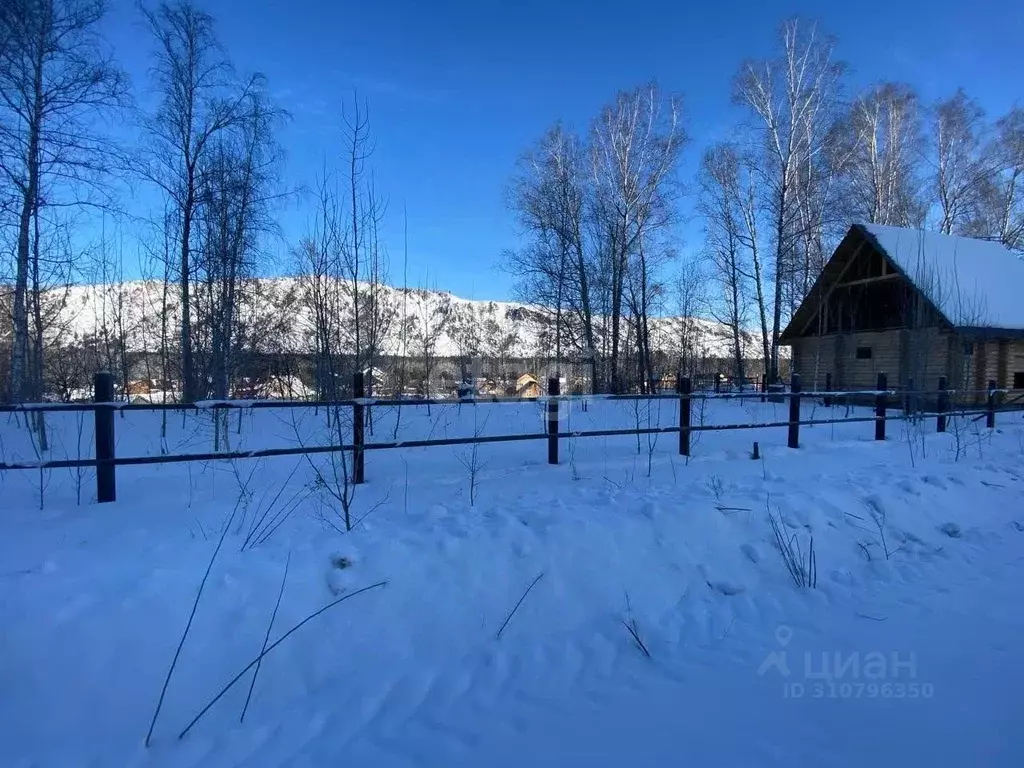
x=726 y=587
x=751 y=552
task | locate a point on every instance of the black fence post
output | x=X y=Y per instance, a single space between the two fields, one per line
x=990 y=417
x=358 y=465
x=942 y=406
x=828 y=388
x=794 y=411
x=880 y=400
x=908 y=398
x=106 y=482
x=554 y=389
x=685 y=388
x=764 y=387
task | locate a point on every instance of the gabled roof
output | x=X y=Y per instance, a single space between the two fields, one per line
x=972 y=283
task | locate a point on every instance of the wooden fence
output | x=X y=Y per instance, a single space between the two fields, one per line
x=106 y=462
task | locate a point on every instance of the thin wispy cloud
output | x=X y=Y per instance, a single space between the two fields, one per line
x=403 y=91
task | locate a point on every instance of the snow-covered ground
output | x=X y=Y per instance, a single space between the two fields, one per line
x=907 y=651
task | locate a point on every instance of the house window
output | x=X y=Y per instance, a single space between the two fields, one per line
x=1018 y=379
x=968 y=349
x=863 y=353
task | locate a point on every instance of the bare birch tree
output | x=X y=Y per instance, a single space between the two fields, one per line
x=362 y=218
x=720 y=201
x=688 y=299
x=788 y=98
x=318 y=264
x=960 y=165
x=464 y=327
x=636 y=144
x=56 y=79
x=111 y=306
x=201 y=98
x=729 y=201
x=822 y=217
x=1002 y=214
x=343 y=266
x=551 y=196
x=427 y=324
x=884 y=172
x=237 y=175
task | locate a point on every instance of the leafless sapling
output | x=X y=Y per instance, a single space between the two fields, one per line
x=470 y=458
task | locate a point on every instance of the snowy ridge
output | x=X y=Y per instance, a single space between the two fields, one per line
x=275 y=318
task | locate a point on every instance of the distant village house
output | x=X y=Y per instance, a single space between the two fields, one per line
x=527 y=386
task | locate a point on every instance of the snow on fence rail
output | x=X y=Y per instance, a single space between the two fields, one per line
x=106 y=461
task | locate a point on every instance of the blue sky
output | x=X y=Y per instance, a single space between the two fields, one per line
x=458 y=90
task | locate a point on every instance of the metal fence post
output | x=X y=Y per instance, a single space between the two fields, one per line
x=106 y=482
x=764 y=387
x=942 y=406
x=358 y=392
x=990 y=417
x=880 y=400
x=794 y=411
x=553 y=391
x=908 y=398
x=828 y=388
x=685 y=387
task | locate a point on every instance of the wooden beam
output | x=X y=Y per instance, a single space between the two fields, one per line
x=979 y=364
x=828 y=293
x=1003 y=364
x=846 y=267
x=866 y=280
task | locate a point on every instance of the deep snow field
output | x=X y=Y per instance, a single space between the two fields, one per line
x=908 y=651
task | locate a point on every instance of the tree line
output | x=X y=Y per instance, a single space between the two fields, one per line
x=208 y=147
x=601 y=213
x=602 y=210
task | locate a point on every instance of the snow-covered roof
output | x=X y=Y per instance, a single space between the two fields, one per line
x=973 y=283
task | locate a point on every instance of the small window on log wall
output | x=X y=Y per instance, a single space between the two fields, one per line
x=1018 y=380
x=863 y=353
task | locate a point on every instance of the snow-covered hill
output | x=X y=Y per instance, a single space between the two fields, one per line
x=276 y=317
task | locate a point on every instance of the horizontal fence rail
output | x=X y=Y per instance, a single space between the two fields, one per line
x=883 y=398
x=204 y=405
x=261 y=453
